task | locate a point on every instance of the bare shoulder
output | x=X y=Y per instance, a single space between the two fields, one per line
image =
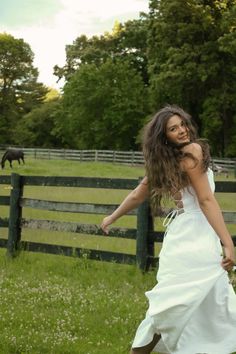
x=195 y=150
x=144 y=181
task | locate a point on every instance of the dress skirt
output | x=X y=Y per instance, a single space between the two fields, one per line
x=193 y=305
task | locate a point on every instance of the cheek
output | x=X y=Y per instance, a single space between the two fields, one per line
x=171 y=136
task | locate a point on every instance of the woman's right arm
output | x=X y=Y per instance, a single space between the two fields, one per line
x=132 y=201
x=208 y=203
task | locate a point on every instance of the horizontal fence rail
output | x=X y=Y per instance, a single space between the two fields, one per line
x=144 y=233
x=70 y=207
x=221 y=165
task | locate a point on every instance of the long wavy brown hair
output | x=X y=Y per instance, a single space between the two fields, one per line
x=162 y=158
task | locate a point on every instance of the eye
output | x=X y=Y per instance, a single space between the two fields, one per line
x=173 y=129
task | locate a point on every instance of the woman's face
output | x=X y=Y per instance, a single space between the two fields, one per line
x=176 y=130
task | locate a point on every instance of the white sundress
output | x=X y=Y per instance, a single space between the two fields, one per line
x=193 y=306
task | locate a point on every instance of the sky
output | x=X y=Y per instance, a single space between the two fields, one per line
x=49 y=25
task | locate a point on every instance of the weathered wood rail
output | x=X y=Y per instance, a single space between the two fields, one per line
x=144 y=233
x=119 y=157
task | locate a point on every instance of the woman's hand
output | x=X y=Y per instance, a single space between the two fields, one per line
x=228 y=261
x=132 y=201
x=105 y=223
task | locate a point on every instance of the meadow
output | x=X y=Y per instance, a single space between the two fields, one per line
x=91 y=169
x=66 y=305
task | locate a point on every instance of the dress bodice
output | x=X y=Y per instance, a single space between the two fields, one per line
x=189 y=198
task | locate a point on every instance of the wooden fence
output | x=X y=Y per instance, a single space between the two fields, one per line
x=144 y=233
x=122 y=157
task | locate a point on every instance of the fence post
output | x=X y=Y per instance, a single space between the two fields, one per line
x=132 y=159
x=14 y=229
x=144 y=248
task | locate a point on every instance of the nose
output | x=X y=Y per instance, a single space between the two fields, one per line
x=182 y=129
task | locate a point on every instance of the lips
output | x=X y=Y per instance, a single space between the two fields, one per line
x=183 y=137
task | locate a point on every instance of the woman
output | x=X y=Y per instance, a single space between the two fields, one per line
x=192 y=309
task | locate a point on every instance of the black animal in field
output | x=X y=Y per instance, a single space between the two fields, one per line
x=11 y=155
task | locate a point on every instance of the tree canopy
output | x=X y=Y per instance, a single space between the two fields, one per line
x=104 y=106
x=126 y=41
x=19 y=89
x=191 y=62
x=181 y=52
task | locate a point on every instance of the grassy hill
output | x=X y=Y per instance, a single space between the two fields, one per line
x=59 y=305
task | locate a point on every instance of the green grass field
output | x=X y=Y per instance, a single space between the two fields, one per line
x=91 y=169
x=65 y=305
x=53 y=304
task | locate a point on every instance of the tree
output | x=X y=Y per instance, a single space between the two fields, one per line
x=19 y=89
x=190 y=62
x=219 y=107
x=39 y=127
x=104 y=106
x=106 y=79
x=127 y=41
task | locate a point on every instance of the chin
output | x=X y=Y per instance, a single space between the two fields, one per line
x=184 y=141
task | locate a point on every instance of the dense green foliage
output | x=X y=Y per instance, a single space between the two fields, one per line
x=106 y=88
x=31 y=129
x=191 y=56
x=180 y=52
x=104 y=105
x=19 y=90
x=126 y=41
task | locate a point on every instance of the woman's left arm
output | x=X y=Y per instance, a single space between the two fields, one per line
x=208 y=203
